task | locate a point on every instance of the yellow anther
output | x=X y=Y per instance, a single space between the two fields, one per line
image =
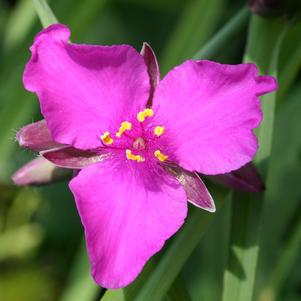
x=145 y=113
x=133 y=157
x=159 y=130
x=161 y=157
x=125 y=126
x=106 y=138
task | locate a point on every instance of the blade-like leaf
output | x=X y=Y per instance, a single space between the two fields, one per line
x=198 y=21
x=129 y=293
x=227 y=33
x=80 y=285
x=178 y=291
x=288 y=257
x=175 y=257
x=239 y=276
x=44 y=12
x=19 y=23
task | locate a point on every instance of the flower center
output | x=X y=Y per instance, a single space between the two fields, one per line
x=139 y=143
x=138 y=139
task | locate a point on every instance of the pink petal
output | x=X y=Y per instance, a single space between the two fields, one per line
x=82 y=88
x=127 y=218
x=39 y=171
x=36 y=136
x=73 y=158
x=245 y=179
x=196 y=191
x=151 y=62
x=211 y=110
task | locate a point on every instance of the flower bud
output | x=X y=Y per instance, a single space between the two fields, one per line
x=40 y=171
x=275 y=8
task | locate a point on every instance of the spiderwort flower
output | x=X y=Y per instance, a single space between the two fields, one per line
x=138 y=141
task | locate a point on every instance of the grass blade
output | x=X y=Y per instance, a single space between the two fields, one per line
x=225 y=34
x=239 y=276
x=44 y=12
x=129 y=293
x=81 y=285
x=292 y=59
x=175 y=257
x=197 y=22
x=178 y=291
x=18 y=24
x=283 y=266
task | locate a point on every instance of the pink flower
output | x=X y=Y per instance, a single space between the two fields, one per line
x=138 y=141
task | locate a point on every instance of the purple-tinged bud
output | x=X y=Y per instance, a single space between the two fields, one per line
x=36 y=136
x=275 y=8
x=40 y=171
x=245 y=179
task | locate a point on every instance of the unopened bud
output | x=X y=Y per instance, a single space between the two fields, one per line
x=275 y=8
x=40 y=171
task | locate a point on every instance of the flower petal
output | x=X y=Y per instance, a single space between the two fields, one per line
x=245 y=179
x=36 y=136
x=40 y=171
x=196 y=191
x=70 y=157
x=127 y=218
x=82 y=88
x=151 y=62
x=211 y=110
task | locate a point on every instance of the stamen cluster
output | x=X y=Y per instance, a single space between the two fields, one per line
x=134 y=145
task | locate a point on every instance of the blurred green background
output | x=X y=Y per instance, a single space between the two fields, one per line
x=42 y=255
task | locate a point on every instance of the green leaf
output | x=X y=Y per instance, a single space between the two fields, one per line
x=44 y=12
x=175 y=256
x=178 y=291
x=19 y=106
x=80 y=286
x=16 y=243
x=227 y=33
x=83 y=15
x=130 y=292
x=291 y=59
x=18 y=24
x=197 y=22
x=283 y=265
x=239 y=276
x=282 y=198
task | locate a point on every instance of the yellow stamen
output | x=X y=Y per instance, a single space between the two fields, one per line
x=145 y=113
x=106 y=138
x=125 y=126
x=160 y=156
x=159 y=130
x=133 y=157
